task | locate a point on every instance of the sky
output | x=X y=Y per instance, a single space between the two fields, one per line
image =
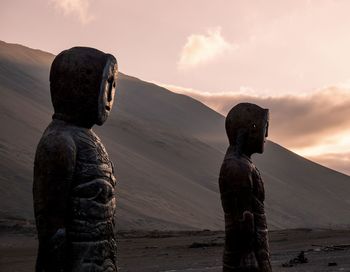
x=291 y=56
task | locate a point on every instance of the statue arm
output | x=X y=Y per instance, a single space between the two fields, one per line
x=244 y=213
x=253 y=226
x=237 y=200
x=236 y=195
x=53 y=173
x=261 y=243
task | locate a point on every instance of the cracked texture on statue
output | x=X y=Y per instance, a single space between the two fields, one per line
x=242 y=191
x=74 y=183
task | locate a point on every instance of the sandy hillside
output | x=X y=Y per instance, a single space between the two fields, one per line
x=167 y=149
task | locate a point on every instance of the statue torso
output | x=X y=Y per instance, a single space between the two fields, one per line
x=90 y=199
x=91 y=219
x=242 y=189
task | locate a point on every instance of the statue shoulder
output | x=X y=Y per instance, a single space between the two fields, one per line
x=237 y=171
x=57 y=145
x=57 y=138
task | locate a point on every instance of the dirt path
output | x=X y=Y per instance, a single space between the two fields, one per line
x=196 y=251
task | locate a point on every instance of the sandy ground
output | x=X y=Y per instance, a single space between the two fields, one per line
x=196 y=251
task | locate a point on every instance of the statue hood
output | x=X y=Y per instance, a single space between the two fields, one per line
x=75 y=83
x=243 y=124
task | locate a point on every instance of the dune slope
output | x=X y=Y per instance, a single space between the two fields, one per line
x=167 y=149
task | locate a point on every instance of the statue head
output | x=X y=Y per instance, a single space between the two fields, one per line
x=83 y=84
x=247 y=128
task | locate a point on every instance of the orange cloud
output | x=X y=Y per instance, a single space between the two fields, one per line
x=316 y=126
x=338 y=161
x=200 y=49
x=297 y=121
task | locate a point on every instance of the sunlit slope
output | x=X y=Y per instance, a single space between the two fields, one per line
x=167 y=149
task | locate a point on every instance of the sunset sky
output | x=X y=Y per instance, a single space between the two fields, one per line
x=290 y=56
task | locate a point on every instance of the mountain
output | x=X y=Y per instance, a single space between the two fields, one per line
x=167 y=149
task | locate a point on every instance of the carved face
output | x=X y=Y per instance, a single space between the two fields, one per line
x=247 y=127
x=107 y=91
x=258 y=135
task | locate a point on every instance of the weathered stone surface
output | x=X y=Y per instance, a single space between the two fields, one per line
x=74 y=183
x=242 y=191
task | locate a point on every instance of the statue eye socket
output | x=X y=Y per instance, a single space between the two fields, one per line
x=109 y=95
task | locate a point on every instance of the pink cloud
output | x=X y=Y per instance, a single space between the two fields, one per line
x=201 y=49
x=81 y=8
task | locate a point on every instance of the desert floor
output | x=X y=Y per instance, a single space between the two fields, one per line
x=195 y=251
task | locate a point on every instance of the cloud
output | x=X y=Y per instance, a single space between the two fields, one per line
x=201 y=49
x=316 y=125
x=81 y=8
x=297 y=121
x=338 y=161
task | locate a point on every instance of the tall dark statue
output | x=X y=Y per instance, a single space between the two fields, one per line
x=74 y=185
x=242 y=191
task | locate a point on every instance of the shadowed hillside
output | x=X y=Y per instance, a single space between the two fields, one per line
x=167 y=149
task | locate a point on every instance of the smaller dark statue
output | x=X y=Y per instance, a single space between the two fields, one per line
x=74 y=183
x=242 y=191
